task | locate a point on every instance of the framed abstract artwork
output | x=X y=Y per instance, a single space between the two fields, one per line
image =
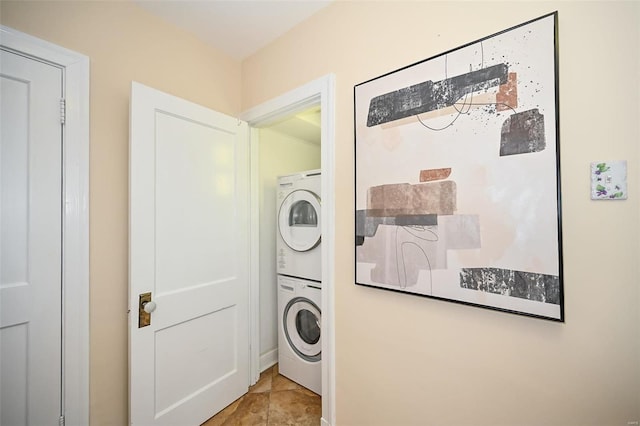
x=457 y=180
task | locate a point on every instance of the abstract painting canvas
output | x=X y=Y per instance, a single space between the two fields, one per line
x=457 y=175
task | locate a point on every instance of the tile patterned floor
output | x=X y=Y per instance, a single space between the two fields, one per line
x=273 y=401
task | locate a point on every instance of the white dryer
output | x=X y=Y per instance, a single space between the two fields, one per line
x=299 y=226
x=299 y=335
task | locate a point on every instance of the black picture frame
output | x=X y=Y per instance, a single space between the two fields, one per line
x=457 y=175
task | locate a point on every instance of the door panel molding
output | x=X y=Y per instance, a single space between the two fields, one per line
x=75 y=275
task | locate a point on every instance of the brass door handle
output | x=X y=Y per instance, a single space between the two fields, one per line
x=145 y=307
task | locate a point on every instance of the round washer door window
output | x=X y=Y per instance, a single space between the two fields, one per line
x=299 y=221
x=301 y=321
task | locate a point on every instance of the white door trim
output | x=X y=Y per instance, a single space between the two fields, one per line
x=318 y=92
x=75 y=270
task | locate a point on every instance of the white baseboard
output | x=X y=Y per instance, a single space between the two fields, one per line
x=268 y=359
x=323 y=422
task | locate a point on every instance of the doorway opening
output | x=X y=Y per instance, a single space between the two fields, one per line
x=288 y=146
x=314 y=98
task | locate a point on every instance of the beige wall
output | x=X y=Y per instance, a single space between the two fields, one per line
x=405 y=360
x=123 y=43
x=400 y=359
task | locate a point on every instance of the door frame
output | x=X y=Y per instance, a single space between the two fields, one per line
x=318 y=92
x=75 y=234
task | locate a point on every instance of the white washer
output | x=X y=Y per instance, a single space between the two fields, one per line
x=299 y=335
x=299 y=226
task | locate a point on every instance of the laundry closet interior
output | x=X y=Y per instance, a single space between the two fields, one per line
x=290 y=267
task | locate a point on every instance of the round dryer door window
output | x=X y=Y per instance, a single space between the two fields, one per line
x=299 y=220
x=301 y=321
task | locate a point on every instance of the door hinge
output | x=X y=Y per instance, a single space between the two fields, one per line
x=61 y=421
x=63 y=111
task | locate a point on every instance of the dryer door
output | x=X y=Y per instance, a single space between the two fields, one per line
x=301 y=321
x=299 y=220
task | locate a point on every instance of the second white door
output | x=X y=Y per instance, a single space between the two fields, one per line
x=189 y=234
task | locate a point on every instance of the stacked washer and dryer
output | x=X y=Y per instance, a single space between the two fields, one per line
x=299 y=268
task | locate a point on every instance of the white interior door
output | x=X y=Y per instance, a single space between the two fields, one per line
x=189 y=223
x=30 y=251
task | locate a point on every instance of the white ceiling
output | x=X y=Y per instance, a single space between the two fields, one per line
x=237 y=27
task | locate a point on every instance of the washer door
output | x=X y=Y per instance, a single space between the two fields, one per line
x=301 y=321
x=299 y=220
